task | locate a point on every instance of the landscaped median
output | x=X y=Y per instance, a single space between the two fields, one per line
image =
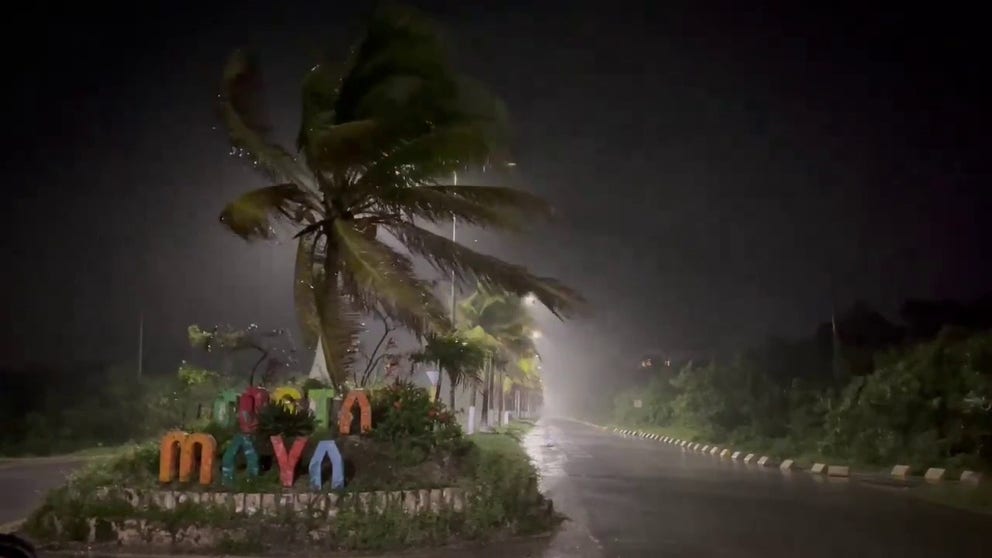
x=398 y=483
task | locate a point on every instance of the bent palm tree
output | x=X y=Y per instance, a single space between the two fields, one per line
x=372 y=142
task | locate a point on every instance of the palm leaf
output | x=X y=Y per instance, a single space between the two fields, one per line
x=252 y=215
x=247 y=124
x=421 y=159
x=374 y=274
x=339 y=324
x=304 y=292
x=435 y=206
x=491 y=272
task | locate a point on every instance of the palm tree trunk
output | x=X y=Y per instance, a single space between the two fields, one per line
x=485 y=392
x=437 y=388
x=502 y=398
x=451 y=394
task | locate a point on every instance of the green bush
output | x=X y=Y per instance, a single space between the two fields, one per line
x=925 y=405
x=404 y=412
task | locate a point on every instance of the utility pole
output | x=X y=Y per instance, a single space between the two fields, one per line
x=141 y=342
x=454 y=231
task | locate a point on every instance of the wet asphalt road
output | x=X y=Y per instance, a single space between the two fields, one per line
x=23 y=484
x=637 y=497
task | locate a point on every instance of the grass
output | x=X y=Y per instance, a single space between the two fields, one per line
x=96 y=452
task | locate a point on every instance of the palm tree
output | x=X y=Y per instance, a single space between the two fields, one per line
x=460 y=357
x=504 y=319
x=372 y=143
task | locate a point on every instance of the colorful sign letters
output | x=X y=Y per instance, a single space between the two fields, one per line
x=328 y=449
x=178 y=449
x=287 y=396
x=239 y=442
x=249 y=404
x=287 y=461
x=320 y=404
x=178 y=444
x=346 y=416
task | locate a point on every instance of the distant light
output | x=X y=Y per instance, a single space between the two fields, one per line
x=530 y=299
x=511 y=164
x=536 y=334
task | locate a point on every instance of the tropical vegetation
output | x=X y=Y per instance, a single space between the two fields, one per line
x=376 y=146
x=873 y=400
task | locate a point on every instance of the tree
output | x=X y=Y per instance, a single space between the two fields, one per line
x=459 y=356
x=510 y=327
x=373 y=141
x=265 y=343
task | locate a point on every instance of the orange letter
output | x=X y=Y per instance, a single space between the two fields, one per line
x=345 y=417
x=208 y=446
x=171 y=445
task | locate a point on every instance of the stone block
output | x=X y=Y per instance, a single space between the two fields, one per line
x=735 y=456
x=455 y=498
x=132 y=497
x=303 y=501
x=130 y=532
x=900 y=471
x=165 y=499
x=787 y=465
x=725 y=453
x=269 y=504
x=187 y=497
x=706 y=448
x=838 y=471
x=766 y=461
x=409 y=502
x=714 y=450
x=423 y=501
x=237 y=501
x=749 y=458
x=253 y=504
x=437 y=500
x=286 y=501
x=971 y=477
x=934 y=474
x=818 y=468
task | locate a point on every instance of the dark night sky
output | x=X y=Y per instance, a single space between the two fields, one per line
x=722 y=174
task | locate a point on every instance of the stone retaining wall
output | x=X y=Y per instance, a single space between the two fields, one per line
x=259 y=506
x=410 y=501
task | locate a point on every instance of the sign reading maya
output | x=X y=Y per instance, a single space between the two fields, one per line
x=178 y=449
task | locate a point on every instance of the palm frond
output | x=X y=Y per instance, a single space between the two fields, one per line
x=304 y=292
x=247 y=124
x=421 y=159
x=319 y=92
x=489 y=271
x=374 y=274
x=339 y=324
x=338 y=147
x=252 y=215
x=436 y=207
x=399 y=42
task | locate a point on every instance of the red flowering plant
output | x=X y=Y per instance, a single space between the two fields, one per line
x=403 y=411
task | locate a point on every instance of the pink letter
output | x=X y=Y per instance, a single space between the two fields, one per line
x=287 y=463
